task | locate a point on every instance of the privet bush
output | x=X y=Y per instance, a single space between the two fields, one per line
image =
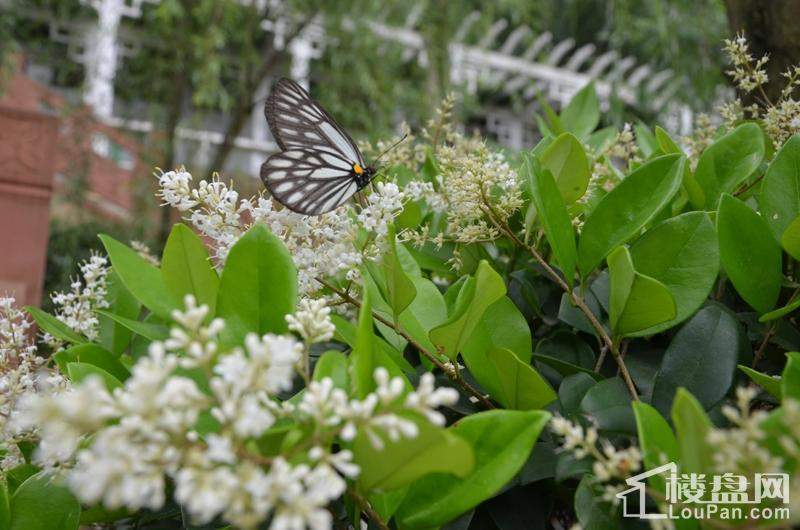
x=478 y=342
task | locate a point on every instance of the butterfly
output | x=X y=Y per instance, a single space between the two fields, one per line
x=319 y=166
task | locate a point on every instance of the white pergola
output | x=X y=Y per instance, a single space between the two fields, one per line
x=510 y=61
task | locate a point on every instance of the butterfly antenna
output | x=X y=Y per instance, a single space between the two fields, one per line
x=398 y=142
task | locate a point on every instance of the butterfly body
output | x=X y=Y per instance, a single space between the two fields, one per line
x=319 y=166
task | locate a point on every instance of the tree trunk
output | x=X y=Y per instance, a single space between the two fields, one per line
x=772 y=27
x=168 y=161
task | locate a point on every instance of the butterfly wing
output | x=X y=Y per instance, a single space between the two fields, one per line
x=297 y=121
x=309 y=181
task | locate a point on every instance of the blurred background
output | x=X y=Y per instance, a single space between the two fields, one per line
x=95 y=94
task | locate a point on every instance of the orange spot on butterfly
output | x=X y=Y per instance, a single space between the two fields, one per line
x=358 y=169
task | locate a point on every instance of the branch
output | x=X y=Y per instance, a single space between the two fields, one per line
x=365 y=507
x=576 y=300
x=454 y=375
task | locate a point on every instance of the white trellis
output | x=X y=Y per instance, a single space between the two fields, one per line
x=510 y=61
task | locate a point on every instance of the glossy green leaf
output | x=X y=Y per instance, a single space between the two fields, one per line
x=5 y=504
x=186 y=268
x=790 y=378
x=522 y=387
x=701 y=357
x=502 y=441
x=645 y=140
x=627 y=209
x=682 y=253
x=113 y=336
x=141 y=278
x=564 y=367
x=333 y=364
x=145 y=329
x=79 y=372
x=362 y=359
x=790 y=240
x=400 y=290
x=41 y=504
x=780 y=191
x=636 y=301
x=258 y=287
x=691 y=431
x=401 y=462
x=656 y=440
x=771 y=384
x=569 y=167
x=553 y=217
x=54 y=326
x=665 y=141
x=749 y=254
x=609 y=403
x=582 y=114
x=385 y=353
x=94 y=355
x=728 y=162
x=478 y=294
x=592 y=511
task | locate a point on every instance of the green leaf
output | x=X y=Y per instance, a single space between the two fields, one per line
x=609 y=403
x=627 y=209
x=665 y=142
x=681 y=253
x=564 y=367
x=767 y=382
x=780 y=191
x=401 y=462
x=749 y=253
x=501 y=326
x=554 y=217
x=78 y=372
x=636 y=301
x=728 y=162
x=592 y=511
x=41 y=504
x=567 y=162
x=645 y=139
x=701 y=358
x=333 y=364
x=656 y=440
x=523 y=388
x=400 y=290
x=258 y=287
x=5 y=504
x=362 y=362
x=145 y=329
x=582 y=113
x=94 y=355
x=790 y=378
x=691 y=430
x=502 y=441
x=790 y=306
x=186 y=268
x=478 y=294
x=386 y=354
x=54 y=326
x=140 y=277
x=114 y=336
x=790 y=240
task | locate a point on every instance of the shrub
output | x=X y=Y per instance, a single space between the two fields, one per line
x=397 y=360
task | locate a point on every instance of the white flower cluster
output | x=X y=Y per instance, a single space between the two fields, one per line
x=748 y=73
x=21 y=374
x=312 y=321
x=611 y=465
x=120 y=447
x=322 y=245
x=76 y=307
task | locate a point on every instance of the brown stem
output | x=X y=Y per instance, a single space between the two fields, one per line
x=768 y=333
x=576 y=300
x=746 y=187
x=365 y=507
x=454 y=375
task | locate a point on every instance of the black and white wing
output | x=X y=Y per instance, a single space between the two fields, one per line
x=297 y=121
x=314 y=173
x=308 y=181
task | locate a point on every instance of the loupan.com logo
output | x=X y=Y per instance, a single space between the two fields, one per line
x=702 y=496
